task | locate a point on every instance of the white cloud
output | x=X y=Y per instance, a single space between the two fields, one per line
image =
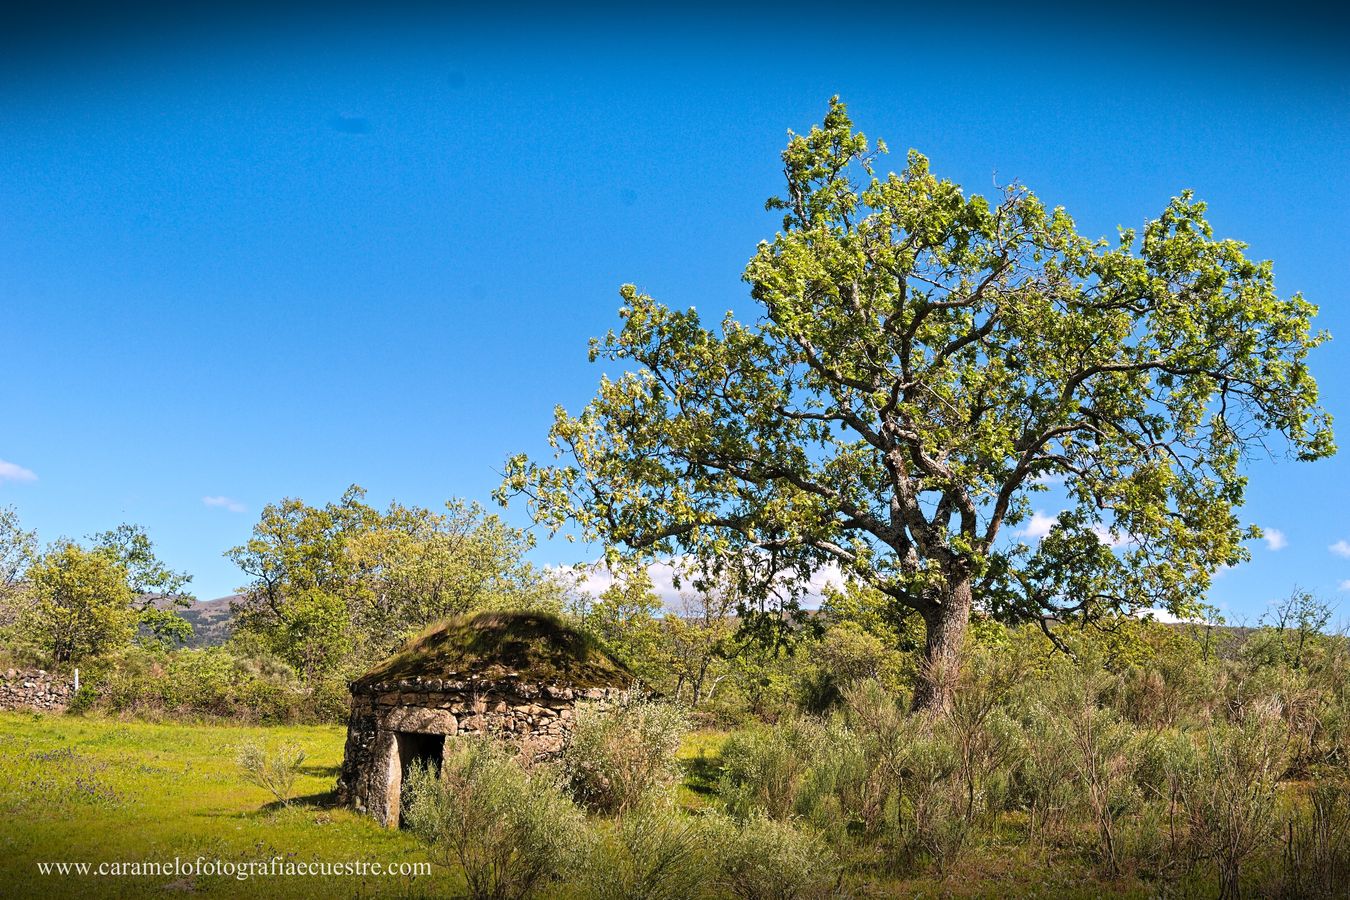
x=14 y=472
x=1105 y=535
x=1345 y=585
x=225 y=503
x=1341 y=548
x=1275 y=538
x=1167 y=618
x=596 y=578
x=1039 y=526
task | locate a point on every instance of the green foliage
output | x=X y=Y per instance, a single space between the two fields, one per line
x=81 y=604
x=71 y=603
x=1316 y=854
x=513 y=832
x=210 y=684
x=702 y=644
x=338 y=587
x=18 y=548
x=274 y=769
x=149 y=579
x=922 y=361
x=625 y=617
x=1230 y=799
x=654 y=852
x=1291 y=629
x=768 y=859
x=764 y=770
x=847 y=654
x=618 y=757
x=1104 y=750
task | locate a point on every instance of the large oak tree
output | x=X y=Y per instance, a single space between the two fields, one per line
x=923 y=362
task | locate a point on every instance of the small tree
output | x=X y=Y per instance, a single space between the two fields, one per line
x=18 y=548
x=920 y=363
x=81 y=604
x=1298 y=619
x=699 y=635
x=151 y=582
x=626 y=616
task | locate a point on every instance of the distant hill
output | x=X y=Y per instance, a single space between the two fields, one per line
x=211 y=620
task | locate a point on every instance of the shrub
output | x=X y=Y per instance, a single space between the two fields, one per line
x=274 y=769
x=846 y=655
x=1044 y=778
x=763 y=769
x=986 y=739
x=1103 y=749
x=934 y=818
x=770 y=860
x=877 y=717
x=510 y=831
x=1230 y=800
x=214 y=683
x=797 y=768
x=1316 y=859
x=655 y=852
x=618 y=756
x=1168 y=763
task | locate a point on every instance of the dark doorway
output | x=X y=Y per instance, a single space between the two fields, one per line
x=417 y=750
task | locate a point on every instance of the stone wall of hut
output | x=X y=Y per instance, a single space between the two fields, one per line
x=536 y=717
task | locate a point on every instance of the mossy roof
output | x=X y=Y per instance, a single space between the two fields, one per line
x=535 y=646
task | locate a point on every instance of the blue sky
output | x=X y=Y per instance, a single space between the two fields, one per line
x=241 y=260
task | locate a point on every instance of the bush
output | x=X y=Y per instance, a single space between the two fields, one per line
x=1316 y=859
x=763 y=769
x=654 y=853
x=877 y=717
x=934 y=818
x=1104 y=750
x=618 y=756
x=846 y=655
x=771 y=860
x=214 y=683
x=1043 y=780
x=1230 y=800
x=274 y=769
x=511 y=832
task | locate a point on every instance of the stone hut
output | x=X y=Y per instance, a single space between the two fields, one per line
x=517 y=677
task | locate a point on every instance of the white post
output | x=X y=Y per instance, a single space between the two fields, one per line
x=77 y=681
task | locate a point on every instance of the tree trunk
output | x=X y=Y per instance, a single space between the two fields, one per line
x=946 y=626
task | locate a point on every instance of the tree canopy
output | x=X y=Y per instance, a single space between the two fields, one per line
x=343 y=584
x=82 y=606
x=923 y=362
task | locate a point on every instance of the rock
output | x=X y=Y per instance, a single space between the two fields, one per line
x=420 y=720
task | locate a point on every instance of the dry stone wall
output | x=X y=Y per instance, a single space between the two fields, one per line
x=535 y=717
x=34 y=689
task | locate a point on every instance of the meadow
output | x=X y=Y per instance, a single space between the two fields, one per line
x=76 y=789
x=100 y=789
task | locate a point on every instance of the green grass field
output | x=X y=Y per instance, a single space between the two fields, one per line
x=91 y=790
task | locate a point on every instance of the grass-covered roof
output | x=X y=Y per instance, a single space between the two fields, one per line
x=536 y=646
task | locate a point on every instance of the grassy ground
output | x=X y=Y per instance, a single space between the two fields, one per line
x=94 y=790
x=91 y=790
